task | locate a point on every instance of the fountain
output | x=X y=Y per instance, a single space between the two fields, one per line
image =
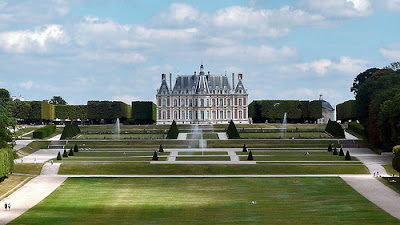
x=283 y=127
x=197 y=134
x=117 y=129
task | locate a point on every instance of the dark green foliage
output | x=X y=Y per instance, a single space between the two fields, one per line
x=173 y=131
x=4 y=95
x=59 y=156
x=160 y=149
x=21 y=110
x=71 y=152
x=346 y=111
x=396 y=158
x=356 y=127
x=5 y=121
x=143 y=112
x=70 y=130
x=244 y=148
x=329 y=147
x=361 y=78
x=57 y=100
x=6 y=161
x=41 y=111
x=76 y=148
x=71 y=112
x=250 y=157
x=65 y=154
x=232 y=131
x=341 y=153
x=347 y=157
x=335 y=151
x=335 y=129
x=44 y=131
x=108 y=110
x=273 y=110
x=155 y=157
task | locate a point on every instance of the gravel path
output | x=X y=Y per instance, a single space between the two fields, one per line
x=182 y=136
x=222 y=136
x=40 y=156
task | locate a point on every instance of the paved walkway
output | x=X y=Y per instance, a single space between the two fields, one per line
x=55 y=138
x=222 y=136
x=182 y=136
x=32 y=193
x=40 y=156
x=21 y=143
x=350 y=136
x=371 y=160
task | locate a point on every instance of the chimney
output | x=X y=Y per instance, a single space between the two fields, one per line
x=233 y=81
x=170 y=81
x=240 y=76
x=163 y=77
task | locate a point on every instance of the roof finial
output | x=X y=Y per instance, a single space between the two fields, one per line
x=320 y=97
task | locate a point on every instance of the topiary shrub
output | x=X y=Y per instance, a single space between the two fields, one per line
x=173 y=131
x=59 y=156
x=44 y=131
x=160 y=149
x=244 y=148
x=335 y=129
x=71 y=152
x=232 y=131
x=76 y=148
x=250 y=157
x=65 y=154
x=335 y=151
x=155 y=157
x=347 y=157
x=329 y=147
x=69 y=131
x=341 y=153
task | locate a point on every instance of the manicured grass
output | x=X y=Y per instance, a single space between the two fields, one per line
x=188 y=169
x=28 y=168
x=13 y=181
x=293 y=156
x=202 y=153
x=306 y=135
x=389 y=170
x=271 y=143
x=204 y=158
x=121 y=136
x=204 y=136
x=130 y=144
x=205 y=201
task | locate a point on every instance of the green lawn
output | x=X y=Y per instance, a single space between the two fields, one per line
x=202 y=153
x=204 y=158
x=28 y=168
x=13 y=181
x=205 y=201
x=306 y=135
x=272 y=143
x=146 y=168
x=293 y=156
x=121 y=136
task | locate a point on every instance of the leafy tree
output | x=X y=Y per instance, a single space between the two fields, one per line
x=361 y=78
x=58 y=100
x=5 y=121
x=257 y=117
x=4 y=95
x=396 y=158
x=393 y=66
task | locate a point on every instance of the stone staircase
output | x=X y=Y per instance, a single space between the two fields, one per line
x=351 y=143
x=57 y=144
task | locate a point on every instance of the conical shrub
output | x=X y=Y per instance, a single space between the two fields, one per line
x=65 y=154
x=335 y=151
x=155 y=157
x=232 y=131
x=59 y=156
x=347 y=157
x=329 y=147
x=341 y=153
x=71 y=152
x=76 y=148
x=250 y=157
x=160 y=149
x=244 y=148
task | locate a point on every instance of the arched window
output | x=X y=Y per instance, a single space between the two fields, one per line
x=175 y=115
x=240 y=101
x=228 y=102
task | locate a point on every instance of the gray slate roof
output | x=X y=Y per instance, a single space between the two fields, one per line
x=327 y=105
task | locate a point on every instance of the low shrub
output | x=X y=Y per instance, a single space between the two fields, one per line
x=335 y=151
x=44 y=131
x=59 y=156
x=329 y=147
x=160 y=149
x=244 y=148
x=347 y=157
x=71 y=152
x=250 y=157
x=76 y=148
x=65 y=154
x=155 y=157
x=335 y=129
x=341 y=153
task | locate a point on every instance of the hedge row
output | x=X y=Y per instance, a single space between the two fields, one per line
x=44 y=131
x=33 y=111
x=346 y=111
x=6 y=161
x=356 y=127
x=69 y=131
x=108 y=110
x=143 y=112
x=335 y=129
x=71 y=112
x=273 y=110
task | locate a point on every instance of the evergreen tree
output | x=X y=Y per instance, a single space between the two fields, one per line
x=341 y=153
x=173 y=131
x=160 y=149
x=59 y=156
x=335 y=151
x=232 y=131
x=76 y=148
x=347 y=157
x=250 y=157
x=71 y=152
x=244 y=148
x=155 y=157
x=329 y=147
x=65 y=154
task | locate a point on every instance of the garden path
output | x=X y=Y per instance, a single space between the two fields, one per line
x=349 y=136
x=40 y=156
x=222 y=136
x=371 y=160
x=182 y=136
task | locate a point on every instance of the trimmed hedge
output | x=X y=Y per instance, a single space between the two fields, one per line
x=21 y=110
x=70 y=130
x=44 y=131
x=41 y=111
x=108 y=110
x=232 y=131
x=346 y=111
x=335 y=129
x=72 y=112
x=273 y=110
x=6 y=161
x=356 y=127
x=173 y=131
x=143 y=112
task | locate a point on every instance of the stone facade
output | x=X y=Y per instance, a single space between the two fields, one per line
x=202 y=99
x=328 y=112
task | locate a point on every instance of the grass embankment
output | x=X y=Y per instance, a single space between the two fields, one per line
x=205 y=201
x=28 y=168
x=205 y=158
x=12 y=183
x=293 y=156
x=188 y=169
x=303 y=135
x=124 y=145
x=121 y=136
x=283 y=143
x=203 y=136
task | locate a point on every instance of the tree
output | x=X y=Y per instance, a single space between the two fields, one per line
x=76 y=148
x=361 y=78
x=160 y=149
x=71 y=152
x=250 y=157
x=232 y=131
x=65 y=154
x=5 y=121
x=347 y=157
x=244 y=148
x=329 y=147
x=396 y=158
x=57 y=100
x=257 y=117
x=155 y=157
x=393 y=66
x=173 y=131
x=59 y=156
x=4 y=95
x=335 y=151
x=335 y=129
x=341 y=153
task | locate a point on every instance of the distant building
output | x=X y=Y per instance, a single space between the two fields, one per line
x=328 y=112
x=202 y=99
x=18 y=99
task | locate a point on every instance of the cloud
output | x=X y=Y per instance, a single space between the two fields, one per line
x=179 y=13
x=345 y=65
x=391 y=53
x=36 y=40
x=390 y=5
x=126 y=98
x=27 y=85
x=340 y=9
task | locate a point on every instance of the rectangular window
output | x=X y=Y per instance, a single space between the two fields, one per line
x=190 y=115
x=221 y=102
x=201 y=102
x=213 y=102
x=190 y=102
x=221 y=115
x=183 y=115
x=240 y=102
x=183 y=102
x=208 y=115
x=214 y=115
x=240 y=115
x=202 y=115
x=163 y=103
x=228 y=114
x=228 y=102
